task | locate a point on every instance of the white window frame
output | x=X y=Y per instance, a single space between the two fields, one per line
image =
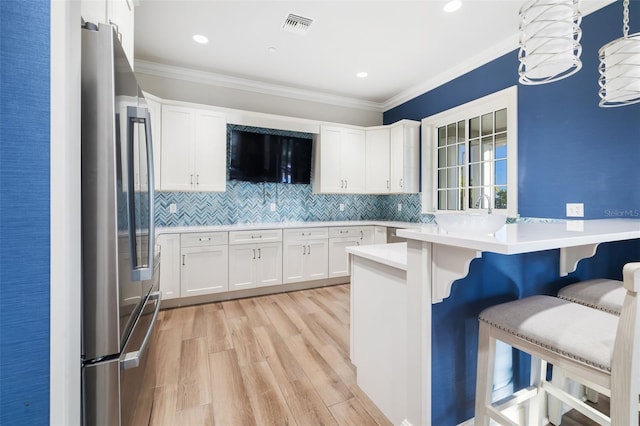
x=507 y=98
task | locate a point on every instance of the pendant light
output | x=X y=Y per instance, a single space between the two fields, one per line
x=620 y=67
x=549 y=41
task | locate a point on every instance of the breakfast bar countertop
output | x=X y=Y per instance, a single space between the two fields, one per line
x=524 y=237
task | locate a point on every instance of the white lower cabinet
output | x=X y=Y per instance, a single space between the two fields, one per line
x=169 y=265
x=305 y=254
x=339 y=239
x=204 y=264
x=255 y=264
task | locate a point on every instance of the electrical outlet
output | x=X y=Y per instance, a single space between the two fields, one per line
x=575 y=210
x=173 y=208
x=399 y=207
x=272 y=207
x=341 y=207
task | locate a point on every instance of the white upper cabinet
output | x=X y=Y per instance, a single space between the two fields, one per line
x=377 y=161
x=405 y=157
x=193 y=150
x=155 y=111
x=339 y=161
x=119 y=13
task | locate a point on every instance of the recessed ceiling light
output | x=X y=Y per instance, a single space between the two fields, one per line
x=199 y=38
x=452 y=6
x=362 y=74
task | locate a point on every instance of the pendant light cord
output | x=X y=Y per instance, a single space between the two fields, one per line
x=625 y=18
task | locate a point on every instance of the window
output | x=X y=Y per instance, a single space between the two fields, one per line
x=469 y=156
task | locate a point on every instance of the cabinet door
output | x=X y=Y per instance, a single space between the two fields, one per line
x=269 y=264
x=293 y=254
x=204 y=270
x=210 y=151
x=366 y=235
x=352 y=164
x=397 y=159
x=169 y=265
x=120 y=13
x=242 y=269
x=329 y=164
x=176 y=150
x=377 y=161
x=317 y=259
x=338 y=257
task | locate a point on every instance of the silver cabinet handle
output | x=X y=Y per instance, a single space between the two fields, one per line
x=190 y=179
x=132 y=359
x=400 y=183
x=183 y=256
x=308 y=249
x=304 y=250
x=361 y=235
x=205 y=239
x=259 y=253
x=341 y=183
x=198 y=179
x=254 y=253
x=344 y=231
x=388 y=184
x=346 y=184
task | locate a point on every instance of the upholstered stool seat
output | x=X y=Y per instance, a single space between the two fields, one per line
x=604 y=294
x=597 y=348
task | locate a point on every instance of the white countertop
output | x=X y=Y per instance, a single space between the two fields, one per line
x=529 y=237
x=281 y=225
x=394 y=255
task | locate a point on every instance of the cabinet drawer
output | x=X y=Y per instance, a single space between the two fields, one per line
x=344 y=231
x=203 y=239
x=257 y=236
x=306 y=233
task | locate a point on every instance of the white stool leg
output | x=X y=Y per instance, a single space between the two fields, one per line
x=592 y=395
x=484 y=375
x=554 y=407
x=537 y=404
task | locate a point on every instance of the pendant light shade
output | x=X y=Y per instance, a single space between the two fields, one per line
x=549 y=41
x=620 y=68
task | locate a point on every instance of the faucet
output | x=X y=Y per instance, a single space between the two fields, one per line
x=483 y=196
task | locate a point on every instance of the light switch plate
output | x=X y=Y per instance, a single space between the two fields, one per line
x=272 y=207
x=341 y=207
x=173 y=208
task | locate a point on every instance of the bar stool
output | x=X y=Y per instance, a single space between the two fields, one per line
x=599 y=349
x=603 y=294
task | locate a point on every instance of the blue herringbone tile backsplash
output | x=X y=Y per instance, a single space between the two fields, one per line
x=246 y=202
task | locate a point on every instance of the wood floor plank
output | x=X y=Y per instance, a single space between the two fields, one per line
x=231 y=405
x=291 y=309
x=164 y=405
x=168 y=357
x=194 y=365
x=305 y=404
x=369 y=406
x=196 y=325
x=305 y=305
x=244 y=341
x=324 y=380
x=338 y=332
x=282 y=323
x=200 y=415
x=233 y=309
x=218 y=333
x=284 y=365
x=252 y=308
x=268 y=403
x=351 y=413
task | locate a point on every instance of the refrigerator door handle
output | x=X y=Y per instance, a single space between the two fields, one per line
x=141 y=115
x=132 y=359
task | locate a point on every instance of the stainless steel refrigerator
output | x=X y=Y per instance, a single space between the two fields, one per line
x=120 y=261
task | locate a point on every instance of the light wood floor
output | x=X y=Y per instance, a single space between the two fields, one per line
x=271 y=360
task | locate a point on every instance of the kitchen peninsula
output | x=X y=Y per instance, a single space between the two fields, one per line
x=434 y=260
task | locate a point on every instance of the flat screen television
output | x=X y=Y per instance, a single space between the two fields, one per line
x=257 y=157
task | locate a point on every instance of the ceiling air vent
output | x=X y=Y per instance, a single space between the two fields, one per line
x=297 y=24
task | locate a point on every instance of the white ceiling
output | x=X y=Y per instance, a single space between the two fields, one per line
x=407 y=47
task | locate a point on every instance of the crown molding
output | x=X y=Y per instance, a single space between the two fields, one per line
x=220 y=80
x=484 y=57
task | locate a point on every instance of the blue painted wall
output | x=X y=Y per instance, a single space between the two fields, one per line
x=569 y=150
x=24 y=212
